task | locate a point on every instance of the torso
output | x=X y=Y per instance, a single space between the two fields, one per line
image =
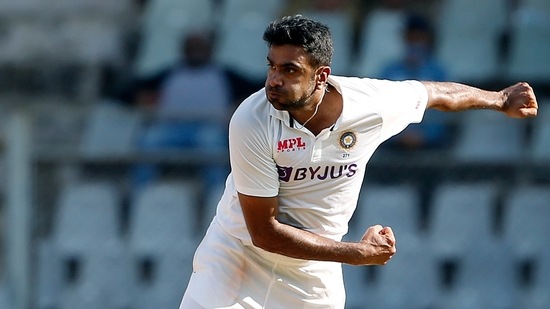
x=316 y=172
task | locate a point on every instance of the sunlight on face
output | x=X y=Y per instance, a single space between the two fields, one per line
x=291 y=79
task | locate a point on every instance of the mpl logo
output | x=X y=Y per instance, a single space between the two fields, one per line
x=291 y=144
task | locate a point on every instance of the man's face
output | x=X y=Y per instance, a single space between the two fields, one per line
x=291 y=80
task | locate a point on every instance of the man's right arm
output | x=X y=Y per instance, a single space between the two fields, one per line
x=516 y=101
x=375 y=248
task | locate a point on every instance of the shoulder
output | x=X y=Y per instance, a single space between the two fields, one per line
x=251 y=127
x=373 y=86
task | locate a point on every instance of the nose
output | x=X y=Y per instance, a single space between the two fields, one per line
x=274 y=78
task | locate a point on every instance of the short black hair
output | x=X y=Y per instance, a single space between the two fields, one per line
x=314 y=37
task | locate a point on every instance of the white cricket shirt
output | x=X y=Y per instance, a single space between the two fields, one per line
x=317 y=178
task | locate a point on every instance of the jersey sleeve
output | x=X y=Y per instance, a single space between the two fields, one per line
x=252 y=165
x=406 y=103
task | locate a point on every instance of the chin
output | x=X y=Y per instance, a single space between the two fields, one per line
x=278 y=106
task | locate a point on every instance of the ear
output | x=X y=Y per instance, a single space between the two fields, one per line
x=323 y=73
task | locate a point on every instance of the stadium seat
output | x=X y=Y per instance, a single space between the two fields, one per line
x=86 y=261
x=94 y=7
x=163 y=237
x=395 y=205
x=540 y=143
x=358 y=284
x=461 y=218
x=104 y=280
x=536 y=295
x=161 y=279
x=57 y=127
x=241 y=47
x=530 y=42
x=526 y=220
x=539 y=5
x=110 y=130
x=11 y=9
x=381 y=41
x=409 y=280
x=86 y=220
x=486 y=278
x=6 y=299
x=90 y=41
x=163 y=216
x=489 y=138
x=3 y=170
x=26 y=41
x=48 y=276
x=468 y=37
x=165 y=24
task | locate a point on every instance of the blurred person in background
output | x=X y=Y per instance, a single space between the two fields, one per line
x=192 y=110
x=419 y=62
x=380 y=36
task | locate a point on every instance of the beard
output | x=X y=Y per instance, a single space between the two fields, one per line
x=277 y=96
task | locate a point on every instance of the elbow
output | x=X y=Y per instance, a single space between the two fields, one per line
x=265 y=238
x=260 y=242
x=263 y=242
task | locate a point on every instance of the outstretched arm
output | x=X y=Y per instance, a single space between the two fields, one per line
x=516 y=101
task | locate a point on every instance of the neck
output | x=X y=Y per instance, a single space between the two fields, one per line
x=315 y=111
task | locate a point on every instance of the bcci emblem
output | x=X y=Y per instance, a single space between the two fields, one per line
x=347 y=140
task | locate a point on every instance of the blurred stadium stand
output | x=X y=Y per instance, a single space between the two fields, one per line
x=471 y=219
x=468 y=42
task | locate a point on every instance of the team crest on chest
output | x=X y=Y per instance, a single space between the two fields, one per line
x=348 y=139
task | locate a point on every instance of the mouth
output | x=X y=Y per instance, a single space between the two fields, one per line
x=273 y=94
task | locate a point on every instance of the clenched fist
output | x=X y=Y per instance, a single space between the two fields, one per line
x=520 y=101
x=379 y=244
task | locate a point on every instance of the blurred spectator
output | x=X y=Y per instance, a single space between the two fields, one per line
x=193 y=109
x=418 y=62
x=380 y=37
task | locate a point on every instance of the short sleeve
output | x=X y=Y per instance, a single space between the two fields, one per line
x=252 y=165
x=403 y=103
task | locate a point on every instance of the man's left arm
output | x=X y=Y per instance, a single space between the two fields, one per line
x=517 y=101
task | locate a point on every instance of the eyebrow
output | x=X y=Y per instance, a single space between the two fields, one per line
x=288 y=64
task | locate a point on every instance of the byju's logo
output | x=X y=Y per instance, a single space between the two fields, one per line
x=287 y=174
x=284 y=173
x=291 y=144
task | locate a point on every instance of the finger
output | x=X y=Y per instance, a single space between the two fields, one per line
x=386 y=231
x=530 y=94
x=390 y=237
x=529 y=112
x=376 y=228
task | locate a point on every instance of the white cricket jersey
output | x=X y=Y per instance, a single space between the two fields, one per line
x=317 y=178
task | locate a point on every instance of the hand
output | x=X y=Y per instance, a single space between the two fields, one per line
x=520 y=101
x=380 y=245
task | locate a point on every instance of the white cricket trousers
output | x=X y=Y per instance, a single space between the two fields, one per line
x=228 y=274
